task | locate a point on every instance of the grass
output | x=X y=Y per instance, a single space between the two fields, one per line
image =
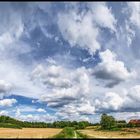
x=80 y=135
x=70 y=132
x=67 y=132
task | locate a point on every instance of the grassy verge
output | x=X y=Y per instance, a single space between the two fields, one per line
x=70 y=132
x=67 y=132
x=80 y=135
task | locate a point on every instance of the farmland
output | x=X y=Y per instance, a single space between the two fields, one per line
x=123 y=133
x=28 y=132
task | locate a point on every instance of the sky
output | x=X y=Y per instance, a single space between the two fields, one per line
x=69 y=60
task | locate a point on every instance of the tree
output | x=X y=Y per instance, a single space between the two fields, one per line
x=107 y=122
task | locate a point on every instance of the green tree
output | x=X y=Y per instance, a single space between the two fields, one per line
x=107 y=122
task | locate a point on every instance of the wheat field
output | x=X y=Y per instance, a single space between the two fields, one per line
x=28 y=132
x=126 y=133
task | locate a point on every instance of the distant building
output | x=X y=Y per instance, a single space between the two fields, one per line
x=135 y=122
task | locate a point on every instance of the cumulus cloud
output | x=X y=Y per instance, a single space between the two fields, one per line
x=111 y=102
x=79 y=30
x=5 y=88
x=112 y=69
x=70 y=95
x=127 y=101
x=63 y=84
x=103 y=15
x=7 y=102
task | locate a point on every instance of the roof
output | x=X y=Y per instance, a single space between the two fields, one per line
x=135 y=121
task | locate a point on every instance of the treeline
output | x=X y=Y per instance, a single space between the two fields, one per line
x=110 y=123
x=75 y=124
x=6 y=121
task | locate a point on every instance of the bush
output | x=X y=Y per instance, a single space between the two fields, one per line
x=107 y=122
x=121 y=125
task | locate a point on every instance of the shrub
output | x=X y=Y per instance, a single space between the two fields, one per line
x=107 y=122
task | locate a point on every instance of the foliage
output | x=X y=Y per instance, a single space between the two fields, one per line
x=121 y=121
x=75 y=124
x=107 y=122
x=80 y=135
x=67 y=132
x=9 y=125
x=57 y=124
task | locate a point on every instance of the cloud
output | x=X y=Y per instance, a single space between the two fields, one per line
x=102 y=15
x=126 y=101
x=3 y=112
x=76 y=82
x=7 y=102
x=5 y=88
x=111 y=102
x=41 y=110
x=134 y=10
x=112 y=69
x=134 y=93
x=79 y=30
x=62 y=85
x=70 y=95
x=37 y=118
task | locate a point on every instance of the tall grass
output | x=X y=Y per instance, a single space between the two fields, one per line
x=67 y=132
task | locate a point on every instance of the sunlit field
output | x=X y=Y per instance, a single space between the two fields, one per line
x=28 y=132
x=124 y=133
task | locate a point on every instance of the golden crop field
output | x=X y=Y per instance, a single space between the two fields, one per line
x=126 y=133
x=28 y=132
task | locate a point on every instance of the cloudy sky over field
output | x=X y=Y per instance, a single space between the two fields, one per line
x=69 y=61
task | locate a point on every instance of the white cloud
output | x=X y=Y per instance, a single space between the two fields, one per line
x=102 y=15
x=111 y=101
x=134 y=9
x=3 y=112
x=127 y=100
x=41 y=110
x=134 y=93
x=37 y=118
x=11 y=28
x=5 y=88
x=112 y=69
x=79 y=30
x=18 y=112
x=62 y=84
x=7 y=102
x=68 y=91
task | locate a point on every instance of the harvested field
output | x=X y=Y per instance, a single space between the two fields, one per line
x=128 y=133
x=28 y=132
